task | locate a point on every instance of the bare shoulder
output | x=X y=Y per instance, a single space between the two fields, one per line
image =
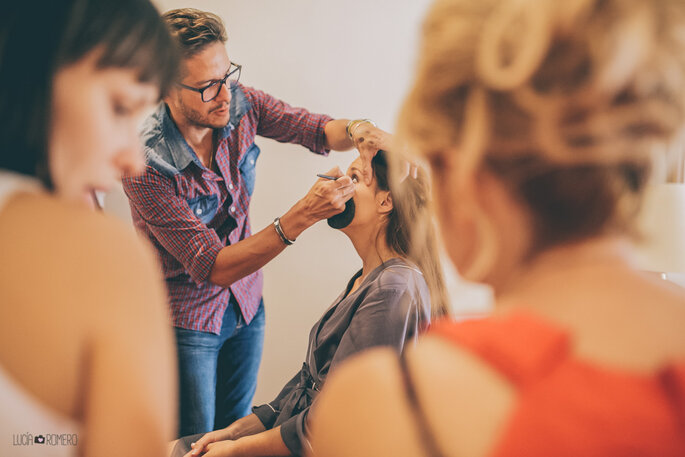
x=52 y=222
x=361 y=411
x=648 y=332
x=82 y=257
x=364 y=409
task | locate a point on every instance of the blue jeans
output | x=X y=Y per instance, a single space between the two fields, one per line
x=218 y=373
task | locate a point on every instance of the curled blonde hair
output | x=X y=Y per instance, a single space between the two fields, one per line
x=571 y=103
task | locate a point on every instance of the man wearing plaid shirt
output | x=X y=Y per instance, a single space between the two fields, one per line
x=192 y=202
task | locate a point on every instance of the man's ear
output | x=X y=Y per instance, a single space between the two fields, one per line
x=170 y=96
x=384 y=202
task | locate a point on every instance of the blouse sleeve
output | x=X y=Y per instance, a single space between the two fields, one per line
x=268 y=412
x=386 y=317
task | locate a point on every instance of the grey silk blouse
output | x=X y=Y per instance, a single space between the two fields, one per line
x=390 y=308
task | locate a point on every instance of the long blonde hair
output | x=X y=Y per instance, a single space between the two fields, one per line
x=571 y=103
x=409 y=229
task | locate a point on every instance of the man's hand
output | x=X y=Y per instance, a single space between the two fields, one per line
x=369 y=140
x=248 y=425
x=327 y=198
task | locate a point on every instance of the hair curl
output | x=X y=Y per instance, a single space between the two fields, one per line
x=572 y=104
x=194 y=29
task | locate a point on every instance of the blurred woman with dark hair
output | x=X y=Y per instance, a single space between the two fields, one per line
x=86 y=358
x=387 y=303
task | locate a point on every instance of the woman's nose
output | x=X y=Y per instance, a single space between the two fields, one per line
x=130 y=160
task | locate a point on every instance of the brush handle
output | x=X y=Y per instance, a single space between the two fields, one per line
x=332 y=178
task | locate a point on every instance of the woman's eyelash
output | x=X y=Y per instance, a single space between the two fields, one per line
x=121 y=109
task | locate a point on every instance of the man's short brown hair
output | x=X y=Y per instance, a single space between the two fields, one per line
x=194 y=29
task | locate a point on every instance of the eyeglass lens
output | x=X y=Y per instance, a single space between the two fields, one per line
x=211 y=92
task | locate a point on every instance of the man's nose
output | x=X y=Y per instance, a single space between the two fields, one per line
x=224 y=93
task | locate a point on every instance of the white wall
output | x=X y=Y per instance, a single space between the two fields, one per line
x=348 y=59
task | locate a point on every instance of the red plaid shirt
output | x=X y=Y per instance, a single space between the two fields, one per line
x=190 y=213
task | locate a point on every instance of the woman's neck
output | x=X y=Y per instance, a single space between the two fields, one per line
x=585 y=264
x=372 y=248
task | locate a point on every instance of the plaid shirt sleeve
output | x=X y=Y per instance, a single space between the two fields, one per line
x=279 y=121
x=174 y=225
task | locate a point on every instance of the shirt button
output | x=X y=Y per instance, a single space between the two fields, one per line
x=230 y=186
x=233 y=209
x=251 y=161
x=198 y=211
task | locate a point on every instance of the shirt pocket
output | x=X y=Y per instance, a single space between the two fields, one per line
x=204 y=207
x=247 y=167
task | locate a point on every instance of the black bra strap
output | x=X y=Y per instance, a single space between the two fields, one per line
x=427 y=437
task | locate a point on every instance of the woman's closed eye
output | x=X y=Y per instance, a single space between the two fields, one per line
x=121 y=109
x=126 y=106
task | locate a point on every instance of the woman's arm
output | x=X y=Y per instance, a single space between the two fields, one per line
x=268 y=443
x=130 y=389
x=248 y=425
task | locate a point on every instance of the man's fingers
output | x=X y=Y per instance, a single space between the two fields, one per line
x=347 y=189
x=367 y=172
x=344 y=181
x=367 y=154
x=409 y=169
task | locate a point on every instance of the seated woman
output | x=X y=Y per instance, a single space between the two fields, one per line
x=387 y=303
x=542 y=121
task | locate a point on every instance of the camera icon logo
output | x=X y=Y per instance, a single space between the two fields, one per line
x=40 y=439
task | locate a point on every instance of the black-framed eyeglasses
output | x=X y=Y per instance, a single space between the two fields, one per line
x=211 y=90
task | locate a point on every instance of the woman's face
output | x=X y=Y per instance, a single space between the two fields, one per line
x=94 y=135
x=367 y=200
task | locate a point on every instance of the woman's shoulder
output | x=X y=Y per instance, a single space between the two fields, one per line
x=400 y=273
x=442 y=375
x=78 y=252
x=366 y=382
x=49 y=223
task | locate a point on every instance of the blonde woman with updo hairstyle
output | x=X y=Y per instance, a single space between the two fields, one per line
x=543 y=122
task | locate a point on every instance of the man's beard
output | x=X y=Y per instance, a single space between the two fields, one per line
x=198 y=119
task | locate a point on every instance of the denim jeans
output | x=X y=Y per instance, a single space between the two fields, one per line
x=218 y=373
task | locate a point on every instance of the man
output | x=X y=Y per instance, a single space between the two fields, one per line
x=193 y=202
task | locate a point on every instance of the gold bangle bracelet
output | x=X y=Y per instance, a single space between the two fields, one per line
x=351 y=126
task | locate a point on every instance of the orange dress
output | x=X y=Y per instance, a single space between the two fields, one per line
x=569 y=407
